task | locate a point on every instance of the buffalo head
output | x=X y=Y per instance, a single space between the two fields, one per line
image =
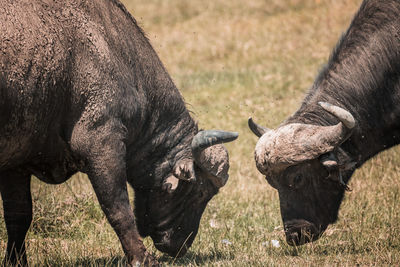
x=307 y=166
x=171 y=214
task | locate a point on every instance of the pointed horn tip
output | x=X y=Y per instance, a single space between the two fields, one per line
x=230 y=136
x=252 y=125
x=255 y=128
x=235 y=134
x=250 y=121
x=343 y=115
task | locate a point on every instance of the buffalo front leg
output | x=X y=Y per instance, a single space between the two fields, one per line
x=17 y=204
x=108 y=177
x=105 y=166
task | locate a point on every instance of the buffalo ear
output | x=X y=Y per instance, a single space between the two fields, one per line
x=214 y=161
x=257 y=129
x=170 y=184
x=211 y=156
x=184 y=170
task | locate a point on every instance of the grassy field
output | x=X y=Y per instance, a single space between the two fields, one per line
x=231 y=60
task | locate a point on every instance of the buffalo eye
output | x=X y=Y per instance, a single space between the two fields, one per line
x=297 y=179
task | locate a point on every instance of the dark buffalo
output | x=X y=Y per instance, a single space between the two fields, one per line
x=83 y=90
x=350 y=114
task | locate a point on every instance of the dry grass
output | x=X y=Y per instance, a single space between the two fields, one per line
x=231 y=60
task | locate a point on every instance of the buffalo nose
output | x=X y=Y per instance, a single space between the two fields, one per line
x=299 y=232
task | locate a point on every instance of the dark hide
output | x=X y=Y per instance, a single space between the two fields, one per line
x=363 y=77
x=81 y=89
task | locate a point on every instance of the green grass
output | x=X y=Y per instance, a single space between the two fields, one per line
x=231 y=60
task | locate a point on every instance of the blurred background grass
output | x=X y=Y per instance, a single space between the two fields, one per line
x=231 y=60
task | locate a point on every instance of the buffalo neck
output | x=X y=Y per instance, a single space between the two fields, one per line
x=362 y=76
x=163 y=127
x=163 y=135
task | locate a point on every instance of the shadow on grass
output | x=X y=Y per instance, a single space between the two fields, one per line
x=346 y=248
x=89 y=261
x=114 y=261
x=197 y=258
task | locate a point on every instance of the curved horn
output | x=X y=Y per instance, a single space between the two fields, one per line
x=204 y=139
x=256 y=129
x=297 y=142
x=211 y=157
x=343 y=115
